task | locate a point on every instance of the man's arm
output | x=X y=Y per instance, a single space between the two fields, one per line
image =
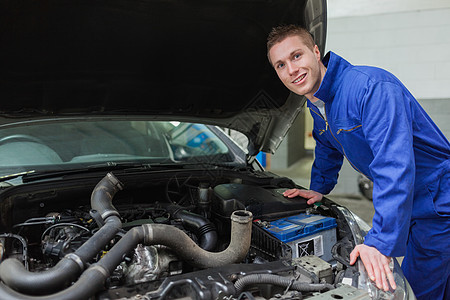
x=325 y=169
x=327 y=163
x=387 y=126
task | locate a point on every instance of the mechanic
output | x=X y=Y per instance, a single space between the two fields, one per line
x=367 y=115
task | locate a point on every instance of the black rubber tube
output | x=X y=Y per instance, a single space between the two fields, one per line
x=102 y=195
x=14 y=274
x=202 y=227
x=125 y=245
x=92 y=280
x=241 y=283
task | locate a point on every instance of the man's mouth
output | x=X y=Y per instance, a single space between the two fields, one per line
x=299 y=78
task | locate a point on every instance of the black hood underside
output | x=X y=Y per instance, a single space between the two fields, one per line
x=203 y=60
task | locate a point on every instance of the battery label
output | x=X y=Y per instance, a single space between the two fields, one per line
x=313 y=246
x=312 y=219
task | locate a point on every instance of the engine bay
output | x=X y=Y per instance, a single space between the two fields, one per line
x=174 y=235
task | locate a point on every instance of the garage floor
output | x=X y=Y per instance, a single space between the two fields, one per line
x=300 y=173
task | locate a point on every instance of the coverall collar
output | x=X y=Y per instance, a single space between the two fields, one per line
x=333 y=76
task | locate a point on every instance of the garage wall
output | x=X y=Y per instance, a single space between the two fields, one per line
x=413 y=45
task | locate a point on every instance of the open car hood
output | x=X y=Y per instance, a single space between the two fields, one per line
x=203 y=61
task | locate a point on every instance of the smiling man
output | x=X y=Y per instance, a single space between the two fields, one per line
x=368 y=116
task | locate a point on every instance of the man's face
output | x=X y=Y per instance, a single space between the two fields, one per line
x=297 y=66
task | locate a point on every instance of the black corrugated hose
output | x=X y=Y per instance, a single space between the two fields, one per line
x=278 y=280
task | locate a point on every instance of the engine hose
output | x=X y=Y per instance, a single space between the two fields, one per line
x=15 y=276
x=241 y=283
x=185 y=248
x=344 y=244
x=102 y=195
x=201 y=226
x=24 y=247
x=93 y=279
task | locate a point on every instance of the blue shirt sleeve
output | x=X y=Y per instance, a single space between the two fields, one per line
x=387 y=125
x=327 y=163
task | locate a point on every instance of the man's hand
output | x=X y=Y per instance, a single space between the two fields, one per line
x=376 y=264
x=312 y=196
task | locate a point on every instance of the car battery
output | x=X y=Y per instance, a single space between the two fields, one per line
x=306 y=234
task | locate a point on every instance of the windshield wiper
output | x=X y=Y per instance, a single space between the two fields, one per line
x=34 y=175
x=119 y=165
x=107 y=166
x=15 y=175
x=211 y=165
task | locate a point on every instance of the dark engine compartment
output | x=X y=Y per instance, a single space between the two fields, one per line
x=200 y=252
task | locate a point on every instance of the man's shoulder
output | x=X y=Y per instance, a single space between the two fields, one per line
x=358 y=80
x=371 y=74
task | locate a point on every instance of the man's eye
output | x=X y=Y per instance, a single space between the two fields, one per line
x=296 y=56
x=280 y=66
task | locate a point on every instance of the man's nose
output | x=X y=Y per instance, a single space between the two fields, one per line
x=292 y=68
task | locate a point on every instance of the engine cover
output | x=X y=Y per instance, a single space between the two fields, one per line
x=262 y=202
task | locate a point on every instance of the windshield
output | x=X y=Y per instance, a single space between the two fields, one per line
x=73 y=144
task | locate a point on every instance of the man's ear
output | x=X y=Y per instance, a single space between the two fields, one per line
x=317 y=52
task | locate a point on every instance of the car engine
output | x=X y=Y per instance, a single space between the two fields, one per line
x=177 y=235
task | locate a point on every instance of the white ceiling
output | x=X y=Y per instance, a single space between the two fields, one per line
x=347 y=8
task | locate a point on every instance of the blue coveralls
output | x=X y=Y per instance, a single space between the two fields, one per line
x=375 y=122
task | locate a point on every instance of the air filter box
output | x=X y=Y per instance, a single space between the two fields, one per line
x=306 y=234
x=263 y=202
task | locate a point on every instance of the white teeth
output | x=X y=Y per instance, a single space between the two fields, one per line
x=300 y=78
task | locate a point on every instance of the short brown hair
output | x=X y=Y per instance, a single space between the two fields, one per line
x=279 y=33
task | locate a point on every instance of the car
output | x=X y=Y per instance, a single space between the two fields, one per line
x=128 y=137
x=365 y=186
